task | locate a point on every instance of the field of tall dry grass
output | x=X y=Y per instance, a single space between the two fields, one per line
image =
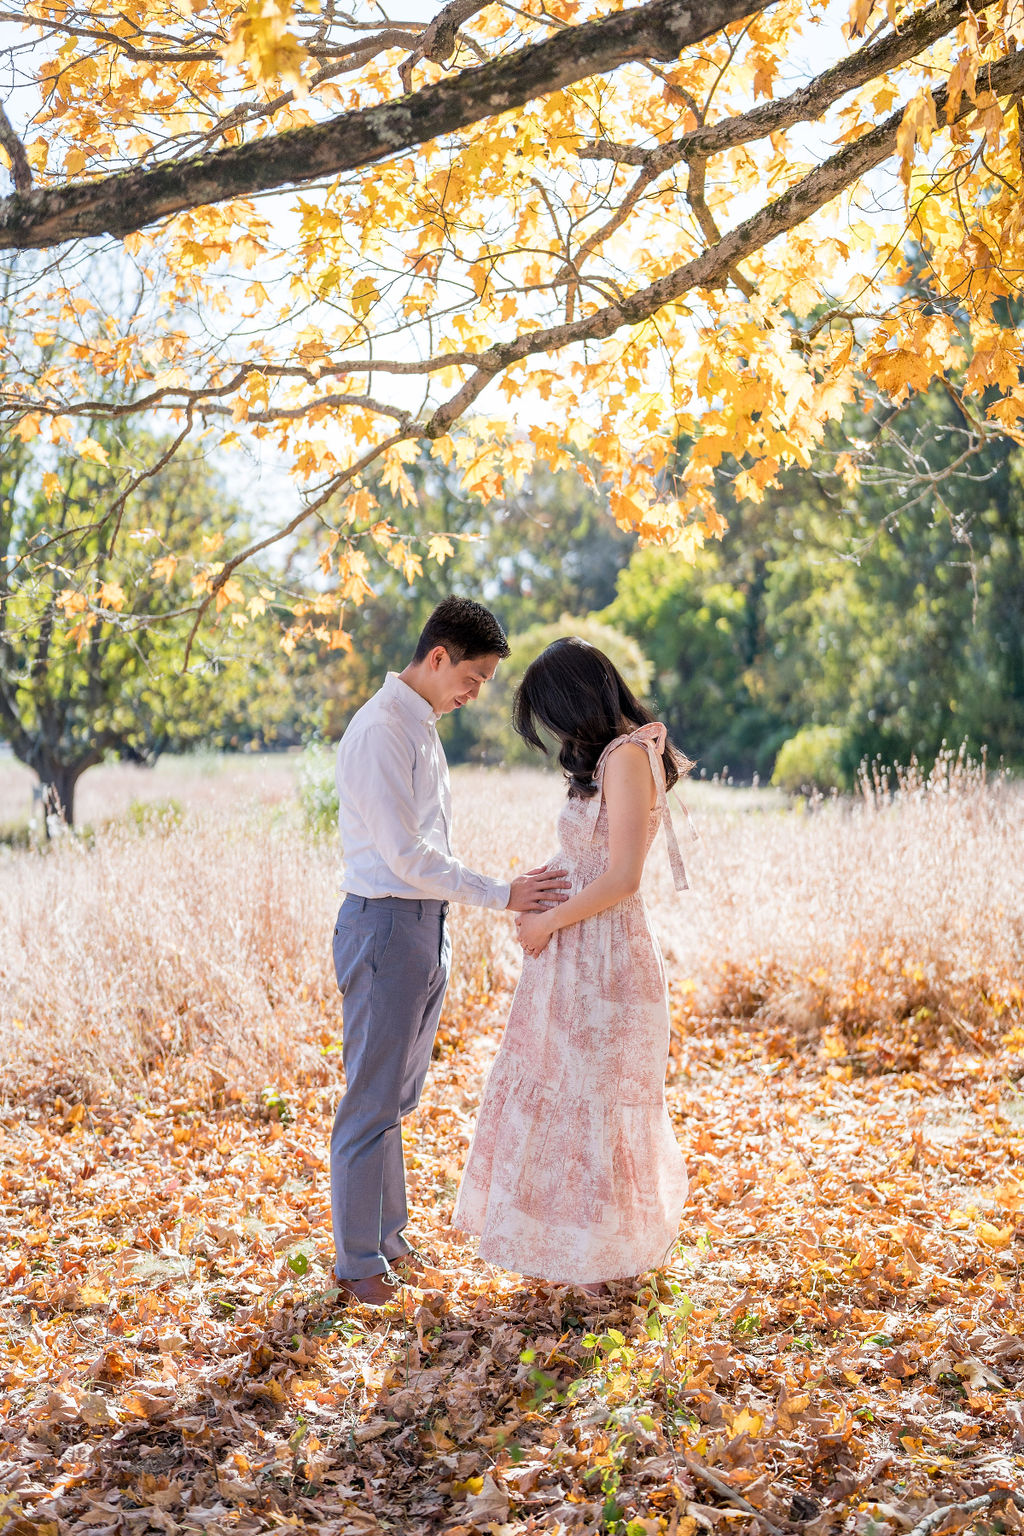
x=199 y=938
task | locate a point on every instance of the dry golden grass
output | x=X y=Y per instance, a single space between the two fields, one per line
x=207 y=942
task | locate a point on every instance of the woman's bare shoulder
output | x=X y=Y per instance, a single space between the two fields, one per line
x=626 y=752
x=628 y=770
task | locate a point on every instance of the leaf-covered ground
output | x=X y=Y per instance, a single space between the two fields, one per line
x=838 y=1345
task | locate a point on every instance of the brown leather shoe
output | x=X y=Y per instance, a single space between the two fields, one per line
x=373 y=1291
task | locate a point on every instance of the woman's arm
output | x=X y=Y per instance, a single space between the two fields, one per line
x=629 y=794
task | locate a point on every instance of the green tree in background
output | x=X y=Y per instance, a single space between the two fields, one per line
x=78 y=682
x=902 y=620
x=891 y=612
x=700 y=627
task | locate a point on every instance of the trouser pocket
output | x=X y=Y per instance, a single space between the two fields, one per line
x=361 y=941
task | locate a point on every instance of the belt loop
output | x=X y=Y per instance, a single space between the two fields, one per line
x=419 y=911
x=363 y=907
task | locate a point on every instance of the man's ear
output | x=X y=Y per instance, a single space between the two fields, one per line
x=436 y=657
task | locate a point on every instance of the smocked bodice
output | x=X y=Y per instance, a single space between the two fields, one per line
x=583 y=839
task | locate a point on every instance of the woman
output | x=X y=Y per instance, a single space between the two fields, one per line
x=574 y=1174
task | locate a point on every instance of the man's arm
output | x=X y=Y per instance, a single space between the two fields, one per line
x=381 y=791
x=380 y=788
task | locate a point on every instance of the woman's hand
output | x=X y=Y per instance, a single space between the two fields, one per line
x=533 y=930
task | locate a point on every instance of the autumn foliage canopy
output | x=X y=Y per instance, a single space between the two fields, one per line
x=664 y=243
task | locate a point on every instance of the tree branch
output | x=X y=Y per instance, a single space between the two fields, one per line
x=300 y=517
x=398 y=35
x=438 y=40
x=726 y=1491
x=709 y=269
x=709 y=229
x=805 y=105
x=120 y=204
x=21 y=171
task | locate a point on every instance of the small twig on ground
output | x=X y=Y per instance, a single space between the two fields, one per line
x=983 y=1501
x=726 y=1491
x=979 y=1045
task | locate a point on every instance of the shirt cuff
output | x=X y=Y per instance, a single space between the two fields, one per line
x=501 y=891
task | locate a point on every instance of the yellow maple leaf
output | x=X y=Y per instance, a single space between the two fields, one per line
x=261 y=39
x=364 y=296
x=440 y=548
x=111 y=595
x=79 y=633
x=715 y=525
x=71 y=601
x=230 y=592
x=860 y=10
x=164 y=568
x=89 y=448
x=901 y=371
x=26 y=428
x=916 y=127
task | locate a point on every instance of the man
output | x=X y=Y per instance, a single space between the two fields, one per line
x=392 y=953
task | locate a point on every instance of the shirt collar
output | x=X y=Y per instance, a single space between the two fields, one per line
x=408 y=700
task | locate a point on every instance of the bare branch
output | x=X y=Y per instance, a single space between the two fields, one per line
x=400 y=35
x=438 y=41
x=174 y=397
x=321 y=402
x=726 y=1491
x=983 y=1501
x=708 y=228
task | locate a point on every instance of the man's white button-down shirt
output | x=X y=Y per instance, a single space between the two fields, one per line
x=395 y=806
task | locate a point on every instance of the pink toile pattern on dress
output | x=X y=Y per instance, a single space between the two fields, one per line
x=574 y=1174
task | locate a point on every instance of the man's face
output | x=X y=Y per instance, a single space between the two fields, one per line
x=454 y=683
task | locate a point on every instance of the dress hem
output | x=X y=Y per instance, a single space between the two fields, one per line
x=494 y=1251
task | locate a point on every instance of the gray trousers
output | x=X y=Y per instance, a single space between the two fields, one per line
x=392 y=958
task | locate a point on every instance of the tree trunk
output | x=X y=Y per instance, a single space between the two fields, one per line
x=59 y=782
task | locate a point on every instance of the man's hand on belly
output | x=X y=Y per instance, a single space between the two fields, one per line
x=538 y=890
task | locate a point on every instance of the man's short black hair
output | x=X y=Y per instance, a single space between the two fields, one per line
x=465 y=629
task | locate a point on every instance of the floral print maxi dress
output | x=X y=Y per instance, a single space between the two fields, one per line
x=574 y=1174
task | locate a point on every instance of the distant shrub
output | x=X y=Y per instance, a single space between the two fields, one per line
x=153 y=815
x=318 y=798
x=812 y=759
x=19 y=834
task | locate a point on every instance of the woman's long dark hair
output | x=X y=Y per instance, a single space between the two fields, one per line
x=575 y=692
